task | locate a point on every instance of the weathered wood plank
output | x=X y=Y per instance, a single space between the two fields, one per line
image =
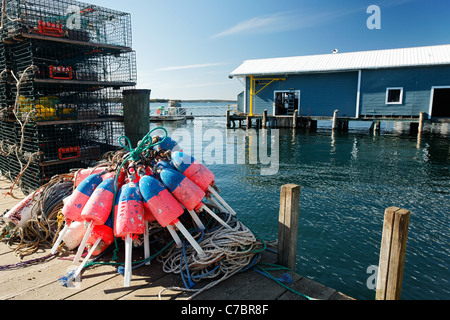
x=309 y=288
x=392 y=253
x=288 y=225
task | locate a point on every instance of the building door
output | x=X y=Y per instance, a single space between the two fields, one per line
x=286 y=102
x=440 y=102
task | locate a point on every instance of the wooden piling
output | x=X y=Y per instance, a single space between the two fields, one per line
x=288 y=225
x=228 y=119
x=264 y=121
x=136 y=113
x=392 y=254
x=421 y=118
x=376 y=126
x=334 y=125
x=294 y=119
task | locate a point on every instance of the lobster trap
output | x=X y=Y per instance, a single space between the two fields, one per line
x=67 y=20
x=63 y=67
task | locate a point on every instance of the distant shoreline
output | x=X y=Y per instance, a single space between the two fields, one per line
x=192 y=101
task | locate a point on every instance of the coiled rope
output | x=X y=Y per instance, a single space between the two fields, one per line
x=228 y=251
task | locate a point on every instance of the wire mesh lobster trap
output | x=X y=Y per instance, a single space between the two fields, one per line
x=63 y=67
x=67 y=19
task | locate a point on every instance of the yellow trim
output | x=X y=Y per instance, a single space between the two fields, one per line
x=253 y=87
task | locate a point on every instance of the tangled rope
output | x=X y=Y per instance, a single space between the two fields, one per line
x=228 y=251
x=44 y=224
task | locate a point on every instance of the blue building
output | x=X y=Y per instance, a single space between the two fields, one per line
x=394 y=83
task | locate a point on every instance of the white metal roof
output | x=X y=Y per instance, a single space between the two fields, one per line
x=391 y=58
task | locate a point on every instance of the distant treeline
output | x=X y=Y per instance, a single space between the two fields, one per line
x=192 y=101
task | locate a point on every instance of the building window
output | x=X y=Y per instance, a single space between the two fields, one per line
x=394 y=95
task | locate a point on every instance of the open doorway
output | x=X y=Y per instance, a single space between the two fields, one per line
x=286 y=102
x=440 y=102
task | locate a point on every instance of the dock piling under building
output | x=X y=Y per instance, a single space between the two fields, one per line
x=309 y=123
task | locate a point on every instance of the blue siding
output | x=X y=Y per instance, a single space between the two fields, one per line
x=416 y=83
x=320 y=95
x=240 y=102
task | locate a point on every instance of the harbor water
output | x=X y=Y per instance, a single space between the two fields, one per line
x=347 y=181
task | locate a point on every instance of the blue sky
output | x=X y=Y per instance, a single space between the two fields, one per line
x=187 y=48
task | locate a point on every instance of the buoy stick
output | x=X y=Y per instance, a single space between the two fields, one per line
x=58 y=241
x=196 y=220
x=146 y=244
x=215 y=194
x=215 y=216
x=78 y=271
x=127 y=273
x=83 y=242
x=174 y=236
x=189 y=238
x=218 y=204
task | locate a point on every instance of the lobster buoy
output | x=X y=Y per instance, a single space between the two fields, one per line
x=199 y=174
x=97 y=210
x=82 y=174
x=75 y=203
x=20 y=214
x=102 y=236
x=164 y=164
x=105 y=232
x=187 y=193
x=168 y=144
x=74 y=235
x=165 y=208
x=130 y=212
x=193 y=169
x=99 y=205
x=183 y=189
x=129 y=222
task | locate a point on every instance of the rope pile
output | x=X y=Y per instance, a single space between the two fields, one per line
x=44 y=224
x=227 y=253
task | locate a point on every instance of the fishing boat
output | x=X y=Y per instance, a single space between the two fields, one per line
x=174 y=112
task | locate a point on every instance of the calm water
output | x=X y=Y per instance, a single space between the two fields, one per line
x=347 y=181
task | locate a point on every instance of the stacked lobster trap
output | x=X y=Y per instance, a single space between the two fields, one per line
x=63 y=67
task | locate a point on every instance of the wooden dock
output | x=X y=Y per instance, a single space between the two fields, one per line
x=309 y=123
x=38 y=280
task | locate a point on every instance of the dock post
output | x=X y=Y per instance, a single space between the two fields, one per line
x=249 y=122
x=264 y=119
x=421 y=118
x=376 y=125
x=334 y=125
x=288 y=225
x=228 y=119
x=392 y=254
x=294 y=119
x=136 y=114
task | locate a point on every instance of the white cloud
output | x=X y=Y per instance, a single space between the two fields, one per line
x=190 y=66
x=276 y=22
x=297 y=19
